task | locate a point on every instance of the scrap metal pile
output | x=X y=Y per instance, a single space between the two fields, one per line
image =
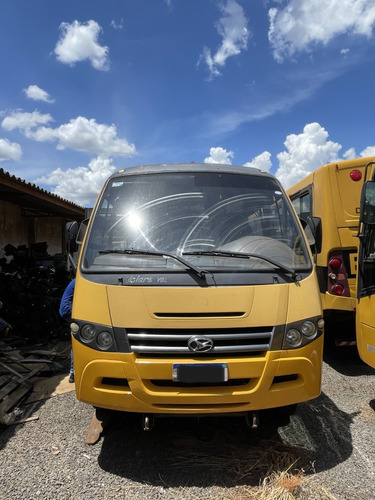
x=31 y=286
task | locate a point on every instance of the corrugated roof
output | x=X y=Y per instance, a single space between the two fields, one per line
x=35 y=199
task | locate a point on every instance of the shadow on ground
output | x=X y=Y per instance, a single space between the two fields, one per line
x=186 y=452
x=346 y=361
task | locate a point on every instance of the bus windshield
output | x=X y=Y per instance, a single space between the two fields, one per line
x=209 y=220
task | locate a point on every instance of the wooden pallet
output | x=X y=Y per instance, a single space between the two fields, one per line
x=17 y=376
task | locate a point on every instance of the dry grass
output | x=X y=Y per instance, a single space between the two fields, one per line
x=231 y=463
x=281 y=486
x=269 y=472
x=243 y=464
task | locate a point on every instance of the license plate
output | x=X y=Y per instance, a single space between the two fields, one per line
x=200 y=373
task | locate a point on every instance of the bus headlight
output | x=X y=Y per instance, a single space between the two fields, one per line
x=308 y=329
x=104 y=340
x=301 y=333
x=294 y=337
x=87 y=333
x=96 y=336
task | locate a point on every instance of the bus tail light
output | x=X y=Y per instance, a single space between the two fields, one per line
x=338 y=289
x=355 y=175
x=337 y=283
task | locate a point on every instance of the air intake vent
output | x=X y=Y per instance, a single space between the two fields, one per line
x=200 y=315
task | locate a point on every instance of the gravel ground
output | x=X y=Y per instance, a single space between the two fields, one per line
x=327 y=449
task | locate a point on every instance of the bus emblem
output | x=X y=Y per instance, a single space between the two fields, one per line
x=200 y=344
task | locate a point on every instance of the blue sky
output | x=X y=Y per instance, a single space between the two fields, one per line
x=88 y=88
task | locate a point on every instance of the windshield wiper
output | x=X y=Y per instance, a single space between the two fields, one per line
x=239 y=255
x=201 y=273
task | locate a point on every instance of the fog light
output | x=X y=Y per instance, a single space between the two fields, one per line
x=294 y=337
x=88 y=332
x=104 y=340
x=308 y=329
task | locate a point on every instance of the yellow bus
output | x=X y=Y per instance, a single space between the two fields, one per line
x=365 y=317
x=331 y=195
x=195 y=295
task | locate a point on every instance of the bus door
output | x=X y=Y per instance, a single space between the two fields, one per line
x=365 y=313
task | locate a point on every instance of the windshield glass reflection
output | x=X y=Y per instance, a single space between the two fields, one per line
x=194 y=215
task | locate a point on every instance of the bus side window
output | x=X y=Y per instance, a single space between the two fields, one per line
x=303 y=205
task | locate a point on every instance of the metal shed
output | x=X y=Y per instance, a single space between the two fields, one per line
x=31 y=215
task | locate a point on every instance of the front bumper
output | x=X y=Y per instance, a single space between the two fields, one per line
x=124 y=382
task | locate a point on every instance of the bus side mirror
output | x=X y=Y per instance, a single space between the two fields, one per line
x=82 y=231
x=313 y=230
x=71 y=230
x=368 y=203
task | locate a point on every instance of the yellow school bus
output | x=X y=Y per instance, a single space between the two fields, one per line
x=195 y=294
x=331 y=195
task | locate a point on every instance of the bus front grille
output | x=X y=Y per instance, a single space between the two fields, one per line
x=200 y=342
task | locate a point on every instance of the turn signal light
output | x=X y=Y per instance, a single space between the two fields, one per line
x=335 y=263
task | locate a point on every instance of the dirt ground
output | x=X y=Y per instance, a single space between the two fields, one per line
x=326 y=451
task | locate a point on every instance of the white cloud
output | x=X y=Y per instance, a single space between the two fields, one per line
x=79 y=41
x=344 y=52
x=262 y=162
x=117 y=25
x=82 y=184
x=25 y=121
x=302 y=23
x=301 y=90
x=87 y=135
x=37 y=94
x=369 y=151
x=232 y=27
x=350 y=154
x=10 y=150
x=219 y=155
x=80 y=134
x=305 y=152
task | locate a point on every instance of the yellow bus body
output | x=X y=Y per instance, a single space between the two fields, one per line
x=334 y=197
x=365 y=317
x=268 y=385
x=232 y=299
x=365 y=327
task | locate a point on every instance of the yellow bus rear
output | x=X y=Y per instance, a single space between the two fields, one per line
x=195 y=295
x=332 y=193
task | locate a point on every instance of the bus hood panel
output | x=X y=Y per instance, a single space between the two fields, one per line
x=177 y=307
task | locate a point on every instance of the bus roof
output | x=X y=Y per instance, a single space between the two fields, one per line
x=336 y=189
x=192 y=167
x=338 y=166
